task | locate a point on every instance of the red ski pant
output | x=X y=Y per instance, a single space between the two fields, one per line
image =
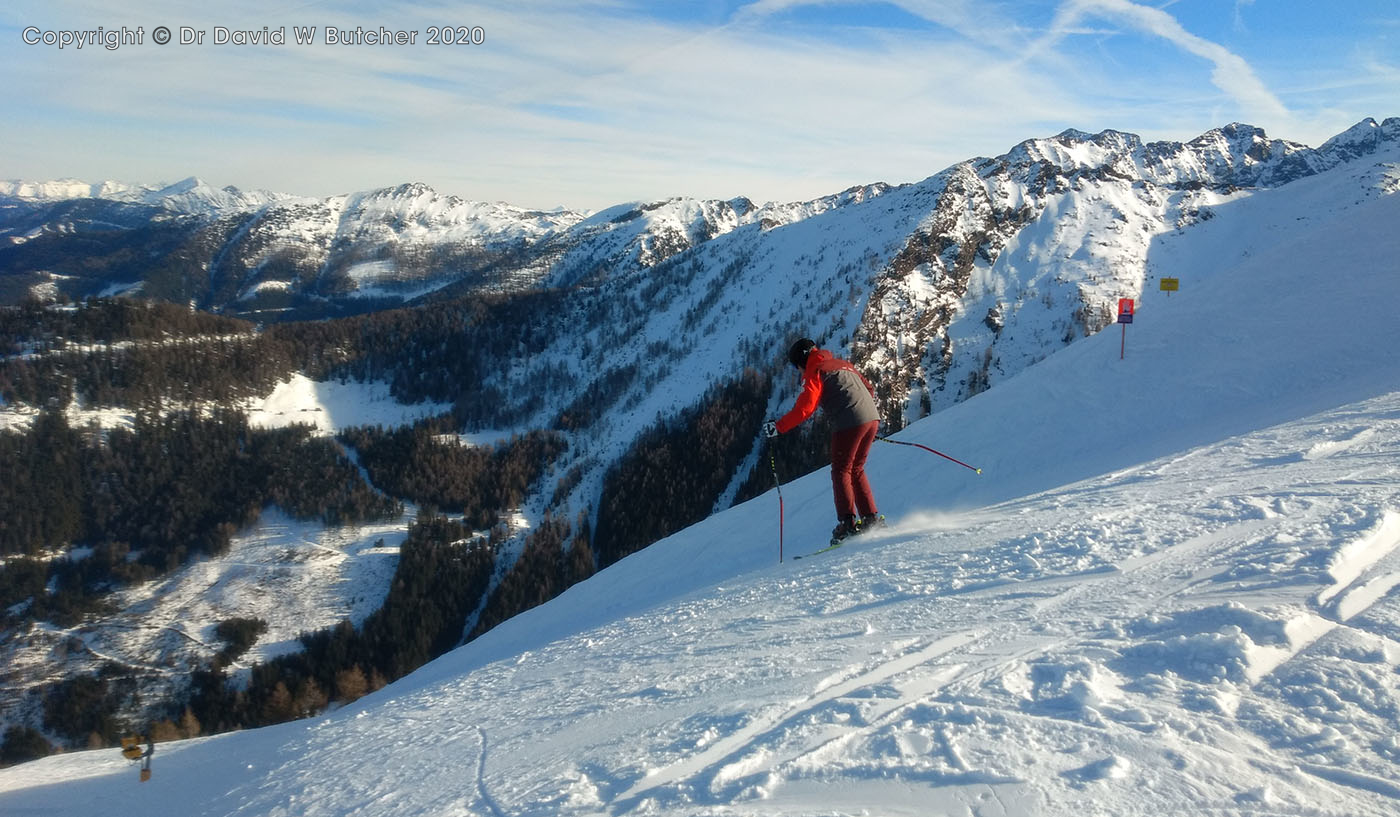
x=849 y=448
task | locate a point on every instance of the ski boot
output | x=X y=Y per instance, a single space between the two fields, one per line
x=848 y=527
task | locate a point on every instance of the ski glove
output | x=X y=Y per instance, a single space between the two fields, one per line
x=770 y=429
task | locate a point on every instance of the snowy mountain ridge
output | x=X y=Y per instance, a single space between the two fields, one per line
x=264 y=254
x=191 y=195
x=1173 y=590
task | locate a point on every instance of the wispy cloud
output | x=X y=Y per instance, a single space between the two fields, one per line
x=1230 y=73
x=1239 y=13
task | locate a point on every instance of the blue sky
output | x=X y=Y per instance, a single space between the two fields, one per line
x=589 y=103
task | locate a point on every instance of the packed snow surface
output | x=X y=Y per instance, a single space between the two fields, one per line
x=1171 y=591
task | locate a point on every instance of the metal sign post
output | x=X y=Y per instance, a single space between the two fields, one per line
x=1125 y=317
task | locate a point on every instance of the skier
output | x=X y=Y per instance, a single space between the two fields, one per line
x=848 y=401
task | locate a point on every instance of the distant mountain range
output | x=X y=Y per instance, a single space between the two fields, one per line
x=190 y=196
x=275 y=256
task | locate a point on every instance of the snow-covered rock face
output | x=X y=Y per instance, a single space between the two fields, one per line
x=1366 y=136
x=394 y=242
x=1026 y=252
x=632 y=237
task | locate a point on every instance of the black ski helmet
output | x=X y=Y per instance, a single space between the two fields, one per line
x=797 y=353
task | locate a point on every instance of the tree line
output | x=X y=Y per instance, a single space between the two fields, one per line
x=555 y=557
x=428 y=464
x=442 y=578
x=442 y=574
x=144 y=499
x=36 y=326
x=674 y=473
x=140 y=502
x=457 y=351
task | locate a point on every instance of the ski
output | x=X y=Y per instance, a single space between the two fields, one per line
x=832 y=546
x=875 y=524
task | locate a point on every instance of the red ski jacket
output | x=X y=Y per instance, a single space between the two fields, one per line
x=835 y=385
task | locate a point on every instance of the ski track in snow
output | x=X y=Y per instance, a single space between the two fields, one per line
x=481 y=778
x=746 y=755
x=760 y=759
x=736 y=768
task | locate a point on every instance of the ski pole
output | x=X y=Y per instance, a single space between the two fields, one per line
x=931 y=451
x=773 y=463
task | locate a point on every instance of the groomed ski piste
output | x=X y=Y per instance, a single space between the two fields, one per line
x=1173 y=590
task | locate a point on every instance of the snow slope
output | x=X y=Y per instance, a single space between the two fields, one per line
x=1172 y=591
x=332 y=406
